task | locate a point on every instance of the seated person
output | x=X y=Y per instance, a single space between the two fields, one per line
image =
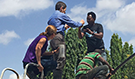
x=36 y=50
x=87 y=67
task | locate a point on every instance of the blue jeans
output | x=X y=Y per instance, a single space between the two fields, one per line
x=48 y=65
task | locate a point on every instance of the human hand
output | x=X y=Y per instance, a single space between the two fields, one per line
x=85 y=30
x=66 y=26
x=112 y=71
x=57 y=50
x=89 y=31
x=82 y=21
x=40 y=68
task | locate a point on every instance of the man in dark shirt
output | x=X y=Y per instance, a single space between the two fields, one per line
x=94 y=34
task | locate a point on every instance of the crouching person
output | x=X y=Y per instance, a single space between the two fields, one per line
x=87 y=67
x=36 y=50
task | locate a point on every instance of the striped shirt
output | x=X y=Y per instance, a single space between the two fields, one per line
x=87 y=63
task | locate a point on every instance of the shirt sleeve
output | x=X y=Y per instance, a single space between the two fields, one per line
x=100 y=28
x=65 y=19
x=98 y=55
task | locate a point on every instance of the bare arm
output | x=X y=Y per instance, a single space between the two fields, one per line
x=97 y=35
x=105 y=62
x=38 y=53
x=52 y=52
x=80 y=34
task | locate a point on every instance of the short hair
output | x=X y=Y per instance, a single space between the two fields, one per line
x=93 y=15
x=98 y=50
x=60 y=4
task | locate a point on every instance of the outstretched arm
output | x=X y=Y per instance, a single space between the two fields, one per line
x=52 y=52
x=105 y=62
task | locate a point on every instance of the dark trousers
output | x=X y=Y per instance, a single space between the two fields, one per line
x=54 y=43
x=97 y=72
x=33 y=71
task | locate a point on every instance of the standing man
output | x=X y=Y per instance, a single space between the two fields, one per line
x=61 y=21
x=94 y=34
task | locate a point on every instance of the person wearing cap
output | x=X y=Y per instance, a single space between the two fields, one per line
x=61 y=21
x=94 y=34
x=87 y=68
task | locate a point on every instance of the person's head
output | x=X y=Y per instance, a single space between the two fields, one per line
x=61 y=6
x=50 y=32
x=98 y=50
x=91 y=17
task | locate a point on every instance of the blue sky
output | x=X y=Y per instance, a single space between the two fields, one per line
x=22 y=20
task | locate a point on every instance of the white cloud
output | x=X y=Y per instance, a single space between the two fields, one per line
x=13 y=76
x=22 y=7
x=122 y=20
x=7 y=37
x=109 y=4
x=78 y=12
x=103 y=9
x=27 y=43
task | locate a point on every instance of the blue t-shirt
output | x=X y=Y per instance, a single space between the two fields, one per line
x=59 y=19
x=30 y=54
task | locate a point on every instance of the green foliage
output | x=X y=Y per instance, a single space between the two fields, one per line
x=75 y=50
x=118 y=54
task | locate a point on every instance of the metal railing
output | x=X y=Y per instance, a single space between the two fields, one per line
x=25 y=71
x=26 y=67
x=10 y=70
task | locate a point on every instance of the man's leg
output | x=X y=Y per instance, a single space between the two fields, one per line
x=48 y=65
x=32 y=75
x=57 y=73
x=32 y=72
x=55 y=42
x=82 y=76
x=100 y=70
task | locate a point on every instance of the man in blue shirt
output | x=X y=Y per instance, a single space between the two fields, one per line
x=61 y=21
